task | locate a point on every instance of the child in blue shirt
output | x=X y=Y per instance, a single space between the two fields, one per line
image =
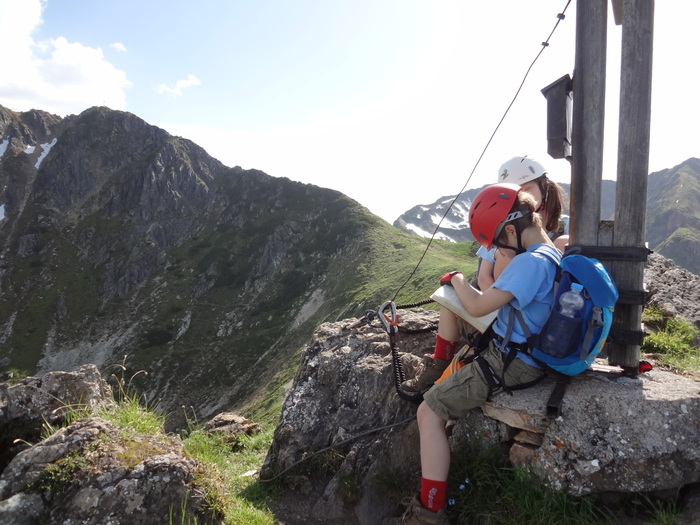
x=503 y=216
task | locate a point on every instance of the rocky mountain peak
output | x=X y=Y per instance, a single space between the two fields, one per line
x=119 y=239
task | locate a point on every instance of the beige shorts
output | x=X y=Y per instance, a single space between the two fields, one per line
x=467 y=388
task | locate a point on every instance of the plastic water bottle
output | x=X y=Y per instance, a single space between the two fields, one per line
x=571 y=301
x=563 y=333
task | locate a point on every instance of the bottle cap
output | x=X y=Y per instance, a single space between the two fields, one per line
x=576 y=286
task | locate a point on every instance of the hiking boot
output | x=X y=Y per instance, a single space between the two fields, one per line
x=416 y=515
x=433 y=369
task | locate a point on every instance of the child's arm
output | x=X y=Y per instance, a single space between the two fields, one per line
x=479 y=304
x=485 y=277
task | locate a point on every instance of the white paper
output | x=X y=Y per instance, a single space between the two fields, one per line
x=447 y=296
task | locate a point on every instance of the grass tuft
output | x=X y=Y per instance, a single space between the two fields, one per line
x=673 y=343
x=485 y=489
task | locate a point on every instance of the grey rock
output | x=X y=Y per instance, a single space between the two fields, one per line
x=21 y=509
x=107 y=477
x=27 y=407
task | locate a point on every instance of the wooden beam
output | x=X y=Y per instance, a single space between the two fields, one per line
x=632 y=166
x=588 y=120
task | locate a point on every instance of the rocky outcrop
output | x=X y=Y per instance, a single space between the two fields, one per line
x=673 y=289
x=90 y=471
x=29 y=407
x=615 y=433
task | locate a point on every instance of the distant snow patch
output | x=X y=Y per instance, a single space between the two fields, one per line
x=427 y=235
x=3 y=146
x=447 y=223
x=46 y=147
x=2 y=209
x=30 y=150
x=418 y=231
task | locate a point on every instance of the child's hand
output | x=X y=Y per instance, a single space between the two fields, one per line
x=447 y=278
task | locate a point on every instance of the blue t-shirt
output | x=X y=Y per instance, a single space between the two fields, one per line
x=487 y=255
x=530 y=278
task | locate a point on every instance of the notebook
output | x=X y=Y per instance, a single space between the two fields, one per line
x=447 y=297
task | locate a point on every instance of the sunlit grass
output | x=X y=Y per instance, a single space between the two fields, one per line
x=672 y=342
x=485 y=489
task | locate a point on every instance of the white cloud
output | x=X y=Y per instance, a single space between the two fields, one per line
x=54 y=75
x=118 y=46
x=176 y=90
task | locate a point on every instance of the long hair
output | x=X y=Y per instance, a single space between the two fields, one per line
x=552 y=203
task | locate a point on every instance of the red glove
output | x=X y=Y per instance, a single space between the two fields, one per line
x=447 y=278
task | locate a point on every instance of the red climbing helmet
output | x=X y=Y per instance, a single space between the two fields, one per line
x=490 y=211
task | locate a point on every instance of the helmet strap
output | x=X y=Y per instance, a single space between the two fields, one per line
x=518 y=233
x=520 y=249
x=501 y=245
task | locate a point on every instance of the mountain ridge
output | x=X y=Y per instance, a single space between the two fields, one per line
x=126 y=246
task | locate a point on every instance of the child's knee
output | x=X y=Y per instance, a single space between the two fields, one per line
x=427 y=417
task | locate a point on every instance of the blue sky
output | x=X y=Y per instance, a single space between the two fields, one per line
x=389 y=101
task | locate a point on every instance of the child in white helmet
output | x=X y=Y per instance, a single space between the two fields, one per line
x=531 y=176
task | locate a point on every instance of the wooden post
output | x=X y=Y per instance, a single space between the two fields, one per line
x=632 y=171
x=588 y=121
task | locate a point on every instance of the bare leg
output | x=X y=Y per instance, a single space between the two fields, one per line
x=434 y=446
x=448 y=328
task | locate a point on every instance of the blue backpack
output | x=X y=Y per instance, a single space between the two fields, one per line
x=592 y=324
x=589 y=329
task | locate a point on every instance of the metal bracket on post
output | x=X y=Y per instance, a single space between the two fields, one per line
x=611 y=253
x=622 y=336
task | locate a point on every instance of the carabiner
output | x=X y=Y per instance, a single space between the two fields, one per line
x=389 y=322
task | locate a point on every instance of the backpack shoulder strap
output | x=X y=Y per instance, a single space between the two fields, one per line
x=548 y=254
x=513 y=314
x=529 y=337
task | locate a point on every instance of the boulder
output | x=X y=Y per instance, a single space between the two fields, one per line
x=27 y=407
x=89 y=472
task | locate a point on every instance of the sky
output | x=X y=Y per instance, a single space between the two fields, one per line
x=391 y=102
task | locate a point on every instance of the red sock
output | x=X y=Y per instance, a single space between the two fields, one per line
x=444 y=349
x=432 y=494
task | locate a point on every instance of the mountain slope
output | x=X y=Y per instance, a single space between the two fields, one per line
x=125 y=241
x=673 y=214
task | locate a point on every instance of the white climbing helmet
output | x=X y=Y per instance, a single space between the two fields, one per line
x=520 y=170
